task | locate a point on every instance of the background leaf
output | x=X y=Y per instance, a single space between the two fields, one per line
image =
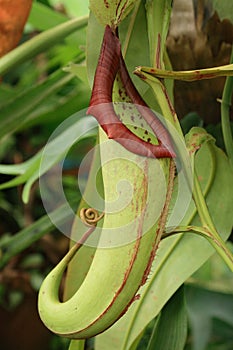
x=18 y=109
x=31 y=170
x=73 y=7
x=205 y=306
x=224 y=8
x=26 y=237
x=170 y=330
x=40 y=43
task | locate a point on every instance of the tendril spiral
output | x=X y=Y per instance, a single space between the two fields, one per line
x=90 y=216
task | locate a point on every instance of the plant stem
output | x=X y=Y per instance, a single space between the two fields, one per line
x=190 y=75
x=204 y=232
x=213 y=238
x=190 y=228
x=40 y=43
x=208 y=230
x=225 y=115
x=76 y=344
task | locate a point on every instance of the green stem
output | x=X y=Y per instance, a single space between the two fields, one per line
x=167 y=110
x=190 y=228
x=204 y=232
x=190 y=75
x=77 y=344
x=40 y=43
x=162 y=98
x=214 y=239
x=225 y=115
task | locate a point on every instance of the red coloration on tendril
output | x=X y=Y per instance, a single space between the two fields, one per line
x=101 y=106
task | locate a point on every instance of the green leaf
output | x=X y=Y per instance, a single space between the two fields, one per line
x=170 y=330
x=195 y=138
x=111 y=12
x=50 y=17
x=32 y=169
x=178 y=257
x=39 y=43
x=133 y=36
x=158 y=17
x=15 y=298
x=80 y=70
x=94 y=39
x=58 y=108
x=204 y=306
x=36 y=279
x=6 y=92
x=26 y=237
x=224 y=8
x=190 y=120
x=214 y=275
x=15 y=112
x=73 y=7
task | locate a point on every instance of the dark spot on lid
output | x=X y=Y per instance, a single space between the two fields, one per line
x=106 y=3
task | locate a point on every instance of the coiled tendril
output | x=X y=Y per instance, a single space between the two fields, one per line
x=90 y=216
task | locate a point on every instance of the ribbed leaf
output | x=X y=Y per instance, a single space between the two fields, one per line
x=51 y=19
x=15 y=112
x=31 y=170
x=224 y=8
x=24 y=238
x=205 y=306
x=170 y=331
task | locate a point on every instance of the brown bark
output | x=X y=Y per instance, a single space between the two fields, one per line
x=195 y=41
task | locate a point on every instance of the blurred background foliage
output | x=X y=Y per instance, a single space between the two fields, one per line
x=40 y=92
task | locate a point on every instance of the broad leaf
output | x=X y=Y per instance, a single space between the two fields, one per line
x=170 y=330
x=80 y=70
x=73 y=7
x=15 y=112
x=52 y=19
x=224 y=8
x=32 y=169
x=26 y=237
x=210 y=301
x=205 y=306
x=111 y=12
